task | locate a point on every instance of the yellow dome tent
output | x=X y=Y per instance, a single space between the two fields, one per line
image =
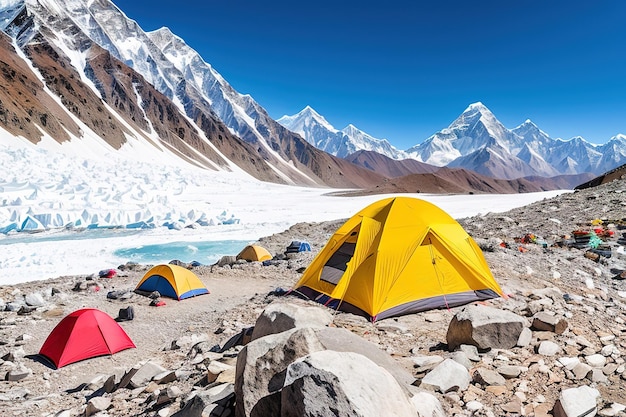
x=398 y=256
x=254 y=253
x=172 y=281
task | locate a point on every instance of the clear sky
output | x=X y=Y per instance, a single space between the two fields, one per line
x=402 y=70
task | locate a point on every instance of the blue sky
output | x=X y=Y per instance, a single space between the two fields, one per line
x=402 y=70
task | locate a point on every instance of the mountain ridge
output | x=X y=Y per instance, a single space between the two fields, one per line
x=76 y=68
x=71 y=28
x=476 y=140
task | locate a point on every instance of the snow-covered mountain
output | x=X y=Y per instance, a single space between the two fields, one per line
x=477 y=141
x=77 y=68
x=109 y=64
x=613 y=153
x=319 y=132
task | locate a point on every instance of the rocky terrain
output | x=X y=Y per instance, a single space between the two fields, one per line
x=565 y=308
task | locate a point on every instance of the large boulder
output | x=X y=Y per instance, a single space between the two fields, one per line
x=341 y=383
x=485 y=328
x=262 y=364
x=280 y=316
x=261 y=367
x=577 y=402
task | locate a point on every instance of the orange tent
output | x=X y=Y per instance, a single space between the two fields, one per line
x=254 y=253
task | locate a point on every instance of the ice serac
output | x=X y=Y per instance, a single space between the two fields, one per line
x=319 y=132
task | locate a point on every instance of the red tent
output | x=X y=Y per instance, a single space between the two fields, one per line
x=84 y=334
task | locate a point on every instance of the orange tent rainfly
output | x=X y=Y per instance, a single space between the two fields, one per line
x=254 y=253
x=84 y=334
x=398 y=256
x=172 y=281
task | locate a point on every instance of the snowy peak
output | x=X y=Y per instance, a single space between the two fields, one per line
x=528 y=125
x=474 y=129
x=474 y=139
x=316 y=130
x=305 y=121
x=8 y=11
x=353 y=130
x=475 y=112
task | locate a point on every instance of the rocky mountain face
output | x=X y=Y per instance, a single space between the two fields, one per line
x=477 y=141
x=614 y=174
x=76 y=68
x=342 y=143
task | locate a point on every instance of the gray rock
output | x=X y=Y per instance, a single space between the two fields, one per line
x=145 y=373
x=543 y=321
x=426 y=363
x=525 y=337
x=433 y=317
x=597 y=376
x=569 y=363
x=610 y=368
x=610 y=350
x=205 y=403
x=15 y=393
x=226 y=260
x=581 y=370
x=261 y=364
x=215 y=368
x=548 y=348
x=18 y=374
x=281 y=316
x=97 y=404
x=14 y=305
x=168 y=395
x=596 y=361
x=34 y=300
x=447 y=376
x=577 y=402
x=487 y=377
x=461 y=358
x=536 y=306
x=344 y=383
x=427 y=405
x=582 y=341
x=471 y=352
x=510 y=371
x=613 y=409
x=485 y=328
x=392 y=327
x=165 y=377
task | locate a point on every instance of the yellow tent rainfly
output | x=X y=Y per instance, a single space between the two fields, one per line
x=398 y=256
x=254 y=253
x=172 y=281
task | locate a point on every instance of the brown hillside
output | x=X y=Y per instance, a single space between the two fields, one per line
x=23 y=102
x=388 y=167
x=617 y=173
